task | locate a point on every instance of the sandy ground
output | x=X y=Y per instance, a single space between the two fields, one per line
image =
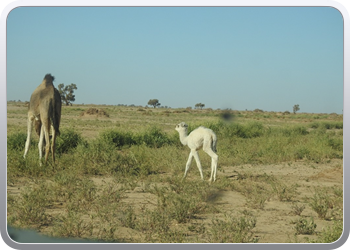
x=274 y=221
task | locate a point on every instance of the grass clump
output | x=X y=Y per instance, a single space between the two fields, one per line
x=296 y=209
x=180 y=206
x=152 y=137
x=283 y=191
x=320 y=202
x=68 y=140
x=233 y=230
x=327 y=203
x=16 y=141
x=330 y=233
x=72 y=225
x=127 y=217
x=117 y=138
x=327 y=125
x=305 y=226
x=29 y=210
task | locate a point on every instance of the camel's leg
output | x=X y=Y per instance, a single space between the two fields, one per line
x=47 y=145
x=214 y=166
x=41 y=143
x=188 y=164
x=29 y=133
x=53 y=143
x=45 y=129
x=37 y=127
x=196 y=157
x=214 y=162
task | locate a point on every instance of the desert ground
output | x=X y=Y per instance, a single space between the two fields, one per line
x=274 y=185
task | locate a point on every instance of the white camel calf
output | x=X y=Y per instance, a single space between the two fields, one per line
x=199 y=138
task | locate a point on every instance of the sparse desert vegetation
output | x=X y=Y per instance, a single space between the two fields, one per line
x=118 y=177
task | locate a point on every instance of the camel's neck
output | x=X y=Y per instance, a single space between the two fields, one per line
x=45 y=84
x=183 y=137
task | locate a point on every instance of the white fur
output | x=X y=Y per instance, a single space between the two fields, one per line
x=199 y=138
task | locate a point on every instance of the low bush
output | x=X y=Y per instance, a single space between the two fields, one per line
x=327 y=125
x=331 y=233
x=152 y=137
x=68 y=140
x=233 y=230
x=305 y=226
x=17 y=141
x=117 y=138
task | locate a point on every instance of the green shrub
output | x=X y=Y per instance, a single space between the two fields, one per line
x=327 y=125
x=304 y=226
x=338 y=125
x=183 y=208
x=29 y=210
x=17 y=141
x=283 y=191
x=71 y=225
x=127 y=217
x=126 y=165
x=301 y=152
x=331 y=233
x=320 y=203
x=117 y=138
x=335 y=143
x=295 y=131
x=153 y=222
x=254 y=129
x=152 y=137
x=68 y=140
x=229 y=129
x=233 y=230
x=256 y=193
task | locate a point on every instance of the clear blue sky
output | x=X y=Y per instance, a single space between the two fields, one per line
x=269 y=58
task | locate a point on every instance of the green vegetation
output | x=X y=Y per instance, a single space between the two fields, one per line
x=118 y=179
x=305 y=226
x=234 y=230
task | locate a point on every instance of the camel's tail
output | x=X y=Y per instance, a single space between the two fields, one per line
x=56 y=111
x=55 y=118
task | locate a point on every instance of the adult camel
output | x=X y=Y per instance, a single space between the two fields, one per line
x=44 y=111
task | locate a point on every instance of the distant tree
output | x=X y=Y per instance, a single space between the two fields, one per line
x=67 y=93
x=296 y=108
x=199 y=105
x=154 y=103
